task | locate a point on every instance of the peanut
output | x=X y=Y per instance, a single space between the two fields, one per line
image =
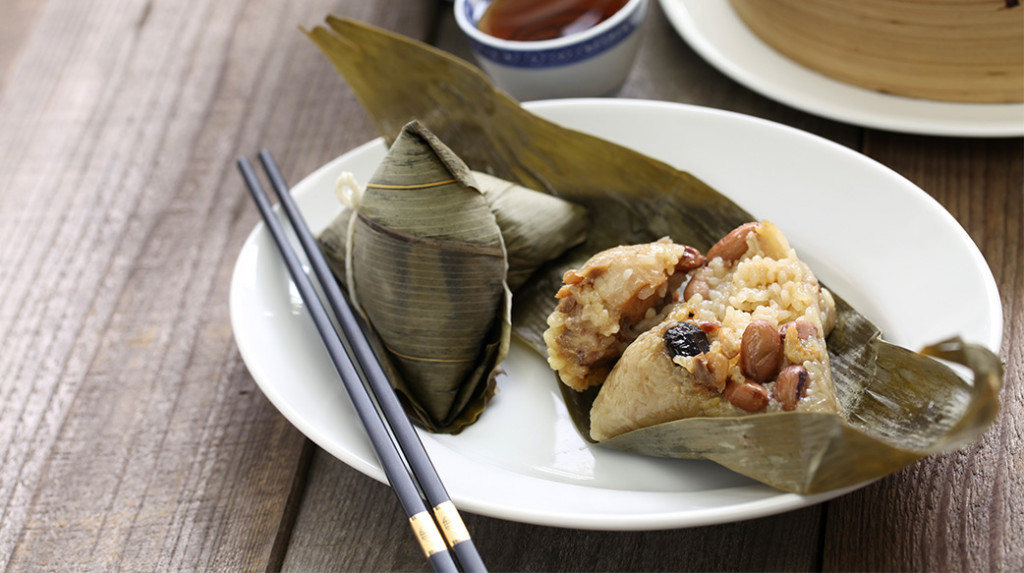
x=804 y=329
x=748 y=395
x=761 y=351
x=791 y=386
x=698 y=285
x=732 y=246
x=691 y=259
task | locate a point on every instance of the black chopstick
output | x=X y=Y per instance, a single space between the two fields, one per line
x=405 y=488
x=360 y=352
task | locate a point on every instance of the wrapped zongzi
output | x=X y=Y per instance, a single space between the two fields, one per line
x=423 y=251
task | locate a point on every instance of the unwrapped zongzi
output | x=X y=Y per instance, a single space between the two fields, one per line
x=749 y=339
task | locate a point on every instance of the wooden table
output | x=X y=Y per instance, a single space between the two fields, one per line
x=132 y=437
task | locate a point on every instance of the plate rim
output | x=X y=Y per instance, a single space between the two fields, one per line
x=945 y=119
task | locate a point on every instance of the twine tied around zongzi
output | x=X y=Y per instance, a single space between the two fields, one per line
x=348 y=190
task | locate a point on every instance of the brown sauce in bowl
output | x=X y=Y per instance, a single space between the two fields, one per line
x=535 y=20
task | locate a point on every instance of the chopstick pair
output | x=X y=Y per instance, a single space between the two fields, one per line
x=442 y=535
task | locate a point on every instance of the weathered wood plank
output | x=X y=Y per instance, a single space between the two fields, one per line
x=349 y=522
x=345 y=525
x=131 y=434
x=18 y=16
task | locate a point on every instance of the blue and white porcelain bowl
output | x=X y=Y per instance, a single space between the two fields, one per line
x=591 y=63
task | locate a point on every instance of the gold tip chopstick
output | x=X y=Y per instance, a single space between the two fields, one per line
x=390 y=420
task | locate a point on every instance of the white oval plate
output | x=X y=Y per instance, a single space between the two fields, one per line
x=716 y=32
x=857 y=223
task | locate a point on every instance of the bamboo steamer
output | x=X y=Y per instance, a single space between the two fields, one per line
x=949 y=50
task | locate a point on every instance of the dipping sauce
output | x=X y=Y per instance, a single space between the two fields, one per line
x=535 y=20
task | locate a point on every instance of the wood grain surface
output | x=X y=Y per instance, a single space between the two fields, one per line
x=132 y=436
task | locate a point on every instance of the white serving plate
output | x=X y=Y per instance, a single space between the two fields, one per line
x=857 y=223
